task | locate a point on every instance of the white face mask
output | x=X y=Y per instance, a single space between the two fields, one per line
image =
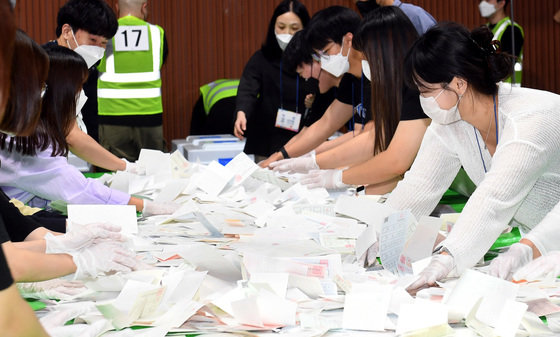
x=366 y=70
x=486 y=9
x=337 y=64
x=438 y=115
x=91 y=54
x=283 y=40
x=82 y=99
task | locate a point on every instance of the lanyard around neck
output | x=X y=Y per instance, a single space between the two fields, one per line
x=281 y=93
x=478 y=142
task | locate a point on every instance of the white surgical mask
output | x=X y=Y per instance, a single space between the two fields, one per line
x=486 y=9
x=283 y=40
x=337 y=64
x=91 y=54
x=366 y=70
x=438 y=115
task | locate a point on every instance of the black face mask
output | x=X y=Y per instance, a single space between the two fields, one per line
x=311 y=86
x=364 y=7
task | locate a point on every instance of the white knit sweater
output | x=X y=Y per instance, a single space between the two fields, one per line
x=522 y=183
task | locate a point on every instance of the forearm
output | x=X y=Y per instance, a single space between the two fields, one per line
x=16 y=317
x=39 y=234
x=383 y=187
x=85 y=147
x=35 y=245
x=354 y=150
x=383 y=167
x=31 y=266
x=138 y=203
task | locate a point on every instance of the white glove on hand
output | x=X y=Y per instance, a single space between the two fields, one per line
x=158 y=208
x=507 y=263
x=134 y=168
x=440 y=266
x=329 y=179
x=103 y=258
x=52 y=289
x=295 y=165
x=82 y=236
x=546 y=266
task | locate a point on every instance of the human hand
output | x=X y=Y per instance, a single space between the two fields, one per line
x=103 y=258
x=295 y=165
x=546 y=266
x=329 y=179
x=440 y=266
x=240 y=125
x=134 y=168
x=82 y=236
x=52 y=289
x=159 y=208
x=309 y=99
x=507 y=263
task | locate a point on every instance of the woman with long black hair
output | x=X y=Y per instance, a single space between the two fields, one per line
x=270 y=99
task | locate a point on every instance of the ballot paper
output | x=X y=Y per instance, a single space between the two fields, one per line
x=136 y=300
x=171 y=190
x=364 y=209
x=420 y=245
x=120 y=215
x=242 y=167
x=214 y=179
x=365 y=307
x=493 y=292
x=393 y=238
x=155 y=162
x=422 y=315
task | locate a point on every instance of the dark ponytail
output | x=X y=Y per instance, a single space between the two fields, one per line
x=449 y=50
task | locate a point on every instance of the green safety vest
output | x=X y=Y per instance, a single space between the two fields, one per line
x=498 y=32
x=217 y=90
x=130 y=79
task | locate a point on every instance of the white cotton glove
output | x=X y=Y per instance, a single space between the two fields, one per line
x=507 y=263
x=369 y=258
x=82 y=236
x=103 y=258
x=52 y=289
x=302 y=164
x=546 y=266
x=134 y=168
x=440 y=266
x=329 y=179
x=158 y=208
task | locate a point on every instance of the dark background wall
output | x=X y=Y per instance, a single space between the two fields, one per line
x=211 y=39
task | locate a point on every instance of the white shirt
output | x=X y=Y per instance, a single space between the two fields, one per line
x=522 y=183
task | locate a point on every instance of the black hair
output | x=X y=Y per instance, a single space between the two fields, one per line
x=297 y=52
x=67 y=73
x=270 y=47
x=8 y=33
x=331 y=24
x=93 y=16
x=449 y=50
x=384 y=37
x=30 y=66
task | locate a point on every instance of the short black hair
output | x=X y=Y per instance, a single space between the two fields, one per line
x=297 y=52
x=270 y=47
x=331 y=24
x=93 y=16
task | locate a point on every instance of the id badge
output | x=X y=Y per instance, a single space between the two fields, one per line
x=288 y=120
